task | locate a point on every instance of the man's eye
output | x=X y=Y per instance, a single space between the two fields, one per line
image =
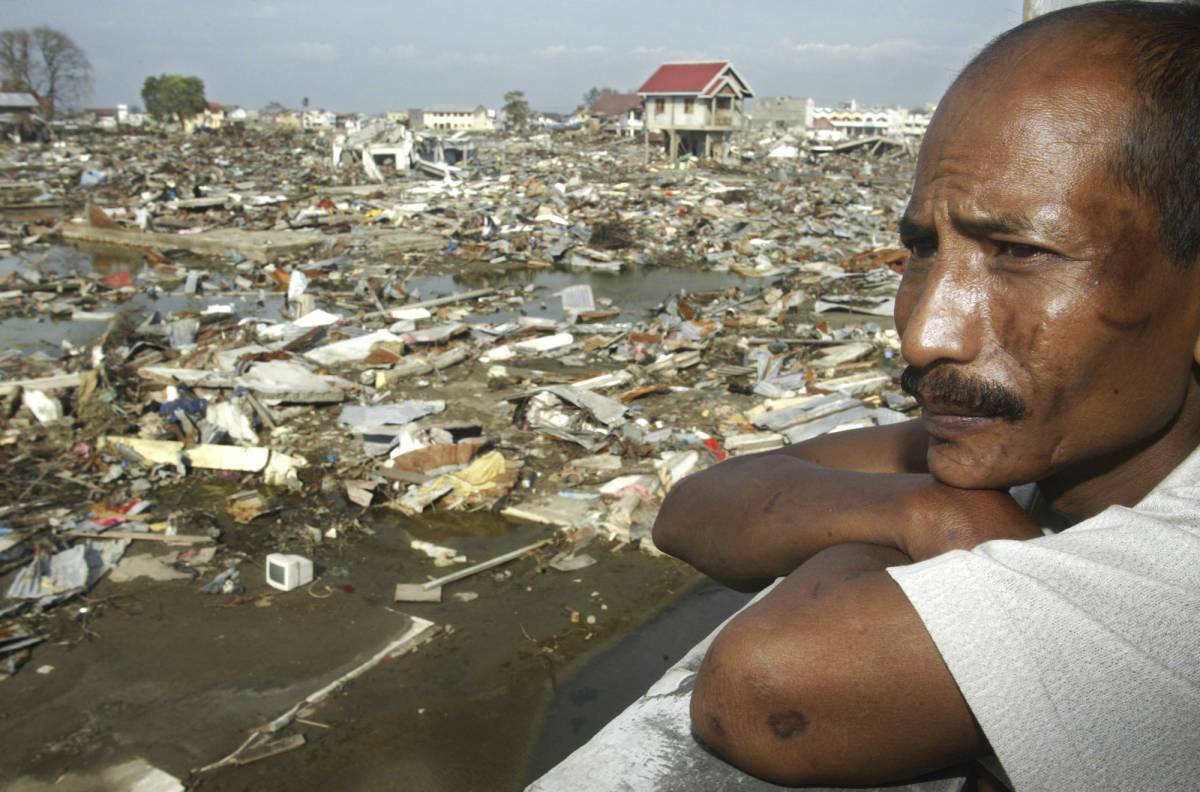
x=1017 y=250
x=922 y=248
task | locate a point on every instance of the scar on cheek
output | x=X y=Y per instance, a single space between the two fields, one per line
x=787 y=724
x=769 y=508
x=715 y=727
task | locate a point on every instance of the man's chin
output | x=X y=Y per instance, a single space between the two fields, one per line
x=959 y=465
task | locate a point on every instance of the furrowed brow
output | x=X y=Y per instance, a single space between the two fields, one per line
x=983 y=226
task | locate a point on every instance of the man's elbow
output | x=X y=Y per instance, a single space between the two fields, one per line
x=782 y=728
x=743 y=712
x=671 y=527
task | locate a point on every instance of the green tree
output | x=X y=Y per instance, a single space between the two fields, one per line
x=516 y=109
x=46 y=63
x=173 y=96
x=593 y=94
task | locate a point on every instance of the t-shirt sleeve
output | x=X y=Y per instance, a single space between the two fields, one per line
x=1079 y=652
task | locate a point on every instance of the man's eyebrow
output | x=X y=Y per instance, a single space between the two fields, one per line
x=986 y=225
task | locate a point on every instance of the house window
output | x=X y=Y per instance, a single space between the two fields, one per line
x=689 y=104
x=660 y=106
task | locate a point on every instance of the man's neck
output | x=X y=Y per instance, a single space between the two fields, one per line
x=1124 y=480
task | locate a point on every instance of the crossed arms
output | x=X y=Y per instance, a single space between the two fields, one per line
x=831 y=678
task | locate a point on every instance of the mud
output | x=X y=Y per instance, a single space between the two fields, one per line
x=161 y=672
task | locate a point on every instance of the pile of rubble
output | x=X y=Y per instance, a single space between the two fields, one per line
x=308 y=374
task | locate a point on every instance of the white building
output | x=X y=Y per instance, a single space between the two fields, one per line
x=318 y=119
x=855 y=122
x=454 y=119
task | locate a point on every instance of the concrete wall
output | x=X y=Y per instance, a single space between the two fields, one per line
x=674 y=114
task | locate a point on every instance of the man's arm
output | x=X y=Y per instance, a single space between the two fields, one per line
x=832 y=679
x=750 y=520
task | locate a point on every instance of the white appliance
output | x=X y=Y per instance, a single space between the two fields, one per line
x=286 y=571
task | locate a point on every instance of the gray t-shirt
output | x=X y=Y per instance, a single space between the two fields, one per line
x=1079 y=652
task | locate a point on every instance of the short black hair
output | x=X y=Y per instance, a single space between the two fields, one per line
x=1158 y=157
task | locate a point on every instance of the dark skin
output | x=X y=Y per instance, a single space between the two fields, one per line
x=1029 y=271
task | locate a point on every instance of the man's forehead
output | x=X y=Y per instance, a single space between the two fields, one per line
x=1024 y=145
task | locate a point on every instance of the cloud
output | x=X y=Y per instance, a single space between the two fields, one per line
x=877 y=50
x=399 y=51
x=669 y=54
x=264 y=11
x=475 y=57
x=313 y=51
x=563 y=51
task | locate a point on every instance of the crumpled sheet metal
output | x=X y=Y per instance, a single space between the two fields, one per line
x=52 y=578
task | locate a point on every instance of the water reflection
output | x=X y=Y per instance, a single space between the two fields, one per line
x=634 y=291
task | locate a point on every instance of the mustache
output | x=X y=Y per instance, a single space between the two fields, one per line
x=945 y=386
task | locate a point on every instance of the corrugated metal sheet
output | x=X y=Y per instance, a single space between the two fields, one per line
x=682 y=78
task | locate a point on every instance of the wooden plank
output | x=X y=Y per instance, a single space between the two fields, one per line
x=137 y=536
x=269 y=749
x=415 y=592
x=254 y=245
x=42 y=383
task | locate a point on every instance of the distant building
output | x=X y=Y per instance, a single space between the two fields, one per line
x=914 y=123
x=19 y=118
x=781 y=113
x=102 y=117
x=620 y=111
x=455 y=119
x=892 y=122
x=279 y=116
x=822 y=130
x=696 y=106
x=211 y=117
x=239 y=115
x=318 y=119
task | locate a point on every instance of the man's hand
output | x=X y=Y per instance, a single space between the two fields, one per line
x=938 y=519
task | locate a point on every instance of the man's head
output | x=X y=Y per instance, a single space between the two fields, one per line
x=1051 y=307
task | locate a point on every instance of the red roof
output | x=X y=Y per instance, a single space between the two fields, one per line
x=682 y=78
x=614 y=104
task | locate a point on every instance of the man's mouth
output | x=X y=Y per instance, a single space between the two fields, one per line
x=954 y=423
x=954 y=404
x=951 y=409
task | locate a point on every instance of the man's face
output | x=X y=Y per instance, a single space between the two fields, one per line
x=1048 y=325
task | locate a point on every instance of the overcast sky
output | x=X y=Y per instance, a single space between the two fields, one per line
x=377 y=55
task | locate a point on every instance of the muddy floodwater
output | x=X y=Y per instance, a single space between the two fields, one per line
x=635 y=291
x=525 y=666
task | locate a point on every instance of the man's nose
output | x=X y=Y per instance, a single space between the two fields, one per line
x=943 y=317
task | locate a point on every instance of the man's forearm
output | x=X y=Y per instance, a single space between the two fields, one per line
x=750 y=520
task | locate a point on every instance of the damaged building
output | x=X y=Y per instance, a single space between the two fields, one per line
x=695 y=107
x=19 y=121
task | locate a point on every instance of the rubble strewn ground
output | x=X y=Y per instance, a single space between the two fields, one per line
x=395 y=382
